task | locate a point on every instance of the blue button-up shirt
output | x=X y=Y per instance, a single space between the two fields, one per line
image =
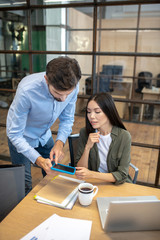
x=32 y=113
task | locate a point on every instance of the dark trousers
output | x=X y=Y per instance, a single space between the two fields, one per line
x=18 y=158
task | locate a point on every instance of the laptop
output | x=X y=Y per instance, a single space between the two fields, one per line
x=129 y=213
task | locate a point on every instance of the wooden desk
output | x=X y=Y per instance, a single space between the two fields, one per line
x=28 y=214
x=149 y=94
x=125 y=81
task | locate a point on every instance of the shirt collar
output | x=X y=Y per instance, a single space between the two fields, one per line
x=45 y=87
x=114 y=132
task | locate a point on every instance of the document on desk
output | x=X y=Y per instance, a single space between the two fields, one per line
x=61 y=228
x=62 y=191
x=68 y=206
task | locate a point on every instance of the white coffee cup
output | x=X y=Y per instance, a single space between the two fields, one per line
x=86 y=193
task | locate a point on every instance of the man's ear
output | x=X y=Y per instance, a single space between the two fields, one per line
x=45 y=76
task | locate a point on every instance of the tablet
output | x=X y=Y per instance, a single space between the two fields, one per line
x=63 y=168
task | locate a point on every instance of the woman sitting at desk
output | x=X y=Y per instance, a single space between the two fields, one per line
x=104 y=144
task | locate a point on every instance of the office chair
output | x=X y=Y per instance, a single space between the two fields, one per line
x=73 y=143
x=158 y=81
x=88 y=86
x=144 y=80
x=104 y=84
x=12 y=187
x=136 y=170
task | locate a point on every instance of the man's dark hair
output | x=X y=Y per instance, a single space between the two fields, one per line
x=106 y=104
x=63 y=73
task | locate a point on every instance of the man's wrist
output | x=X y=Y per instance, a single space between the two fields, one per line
x=59 y=142
x=39 y=160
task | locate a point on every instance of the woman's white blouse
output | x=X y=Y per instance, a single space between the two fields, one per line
x=103 y=148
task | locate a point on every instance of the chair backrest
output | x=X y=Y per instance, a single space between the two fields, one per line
x=158 y=81
x=12 y=187
x=144 y=80
x=73 y=143
x=88 y=86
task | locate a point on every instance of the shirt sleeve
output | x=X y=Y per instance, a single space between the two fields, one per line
x=121 y=174
x=67 y=118
x=16 y=126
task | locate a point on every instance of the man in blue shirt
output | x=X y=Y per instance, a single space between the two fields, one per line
x=40 y=99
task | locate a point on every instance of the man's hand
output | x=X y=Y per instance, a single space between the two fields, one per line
x=56 y=153
x=44 y=163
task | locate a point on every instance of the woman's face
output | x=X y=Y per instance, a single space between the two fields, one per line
x=96 y=116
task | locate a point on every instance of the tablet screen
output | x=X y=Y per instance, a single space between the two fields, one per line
x=64 y=168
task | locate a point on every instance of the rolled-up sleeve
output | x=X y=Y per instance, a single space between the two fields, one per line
x=16 y=124
x=122 y=160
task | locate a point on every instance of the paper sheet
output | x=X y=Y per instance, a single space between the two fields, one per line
x=61 y=228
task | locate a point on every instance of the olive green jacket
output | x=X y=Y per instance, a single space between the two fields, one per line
x=118 y=158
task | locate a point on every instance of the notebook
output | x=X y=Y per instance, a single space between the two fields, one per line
x=129 y=213
x=59 y=192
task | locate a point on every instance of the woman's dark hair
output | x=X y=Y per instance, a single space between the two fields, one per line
x=106 y=103
x=63 y=73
